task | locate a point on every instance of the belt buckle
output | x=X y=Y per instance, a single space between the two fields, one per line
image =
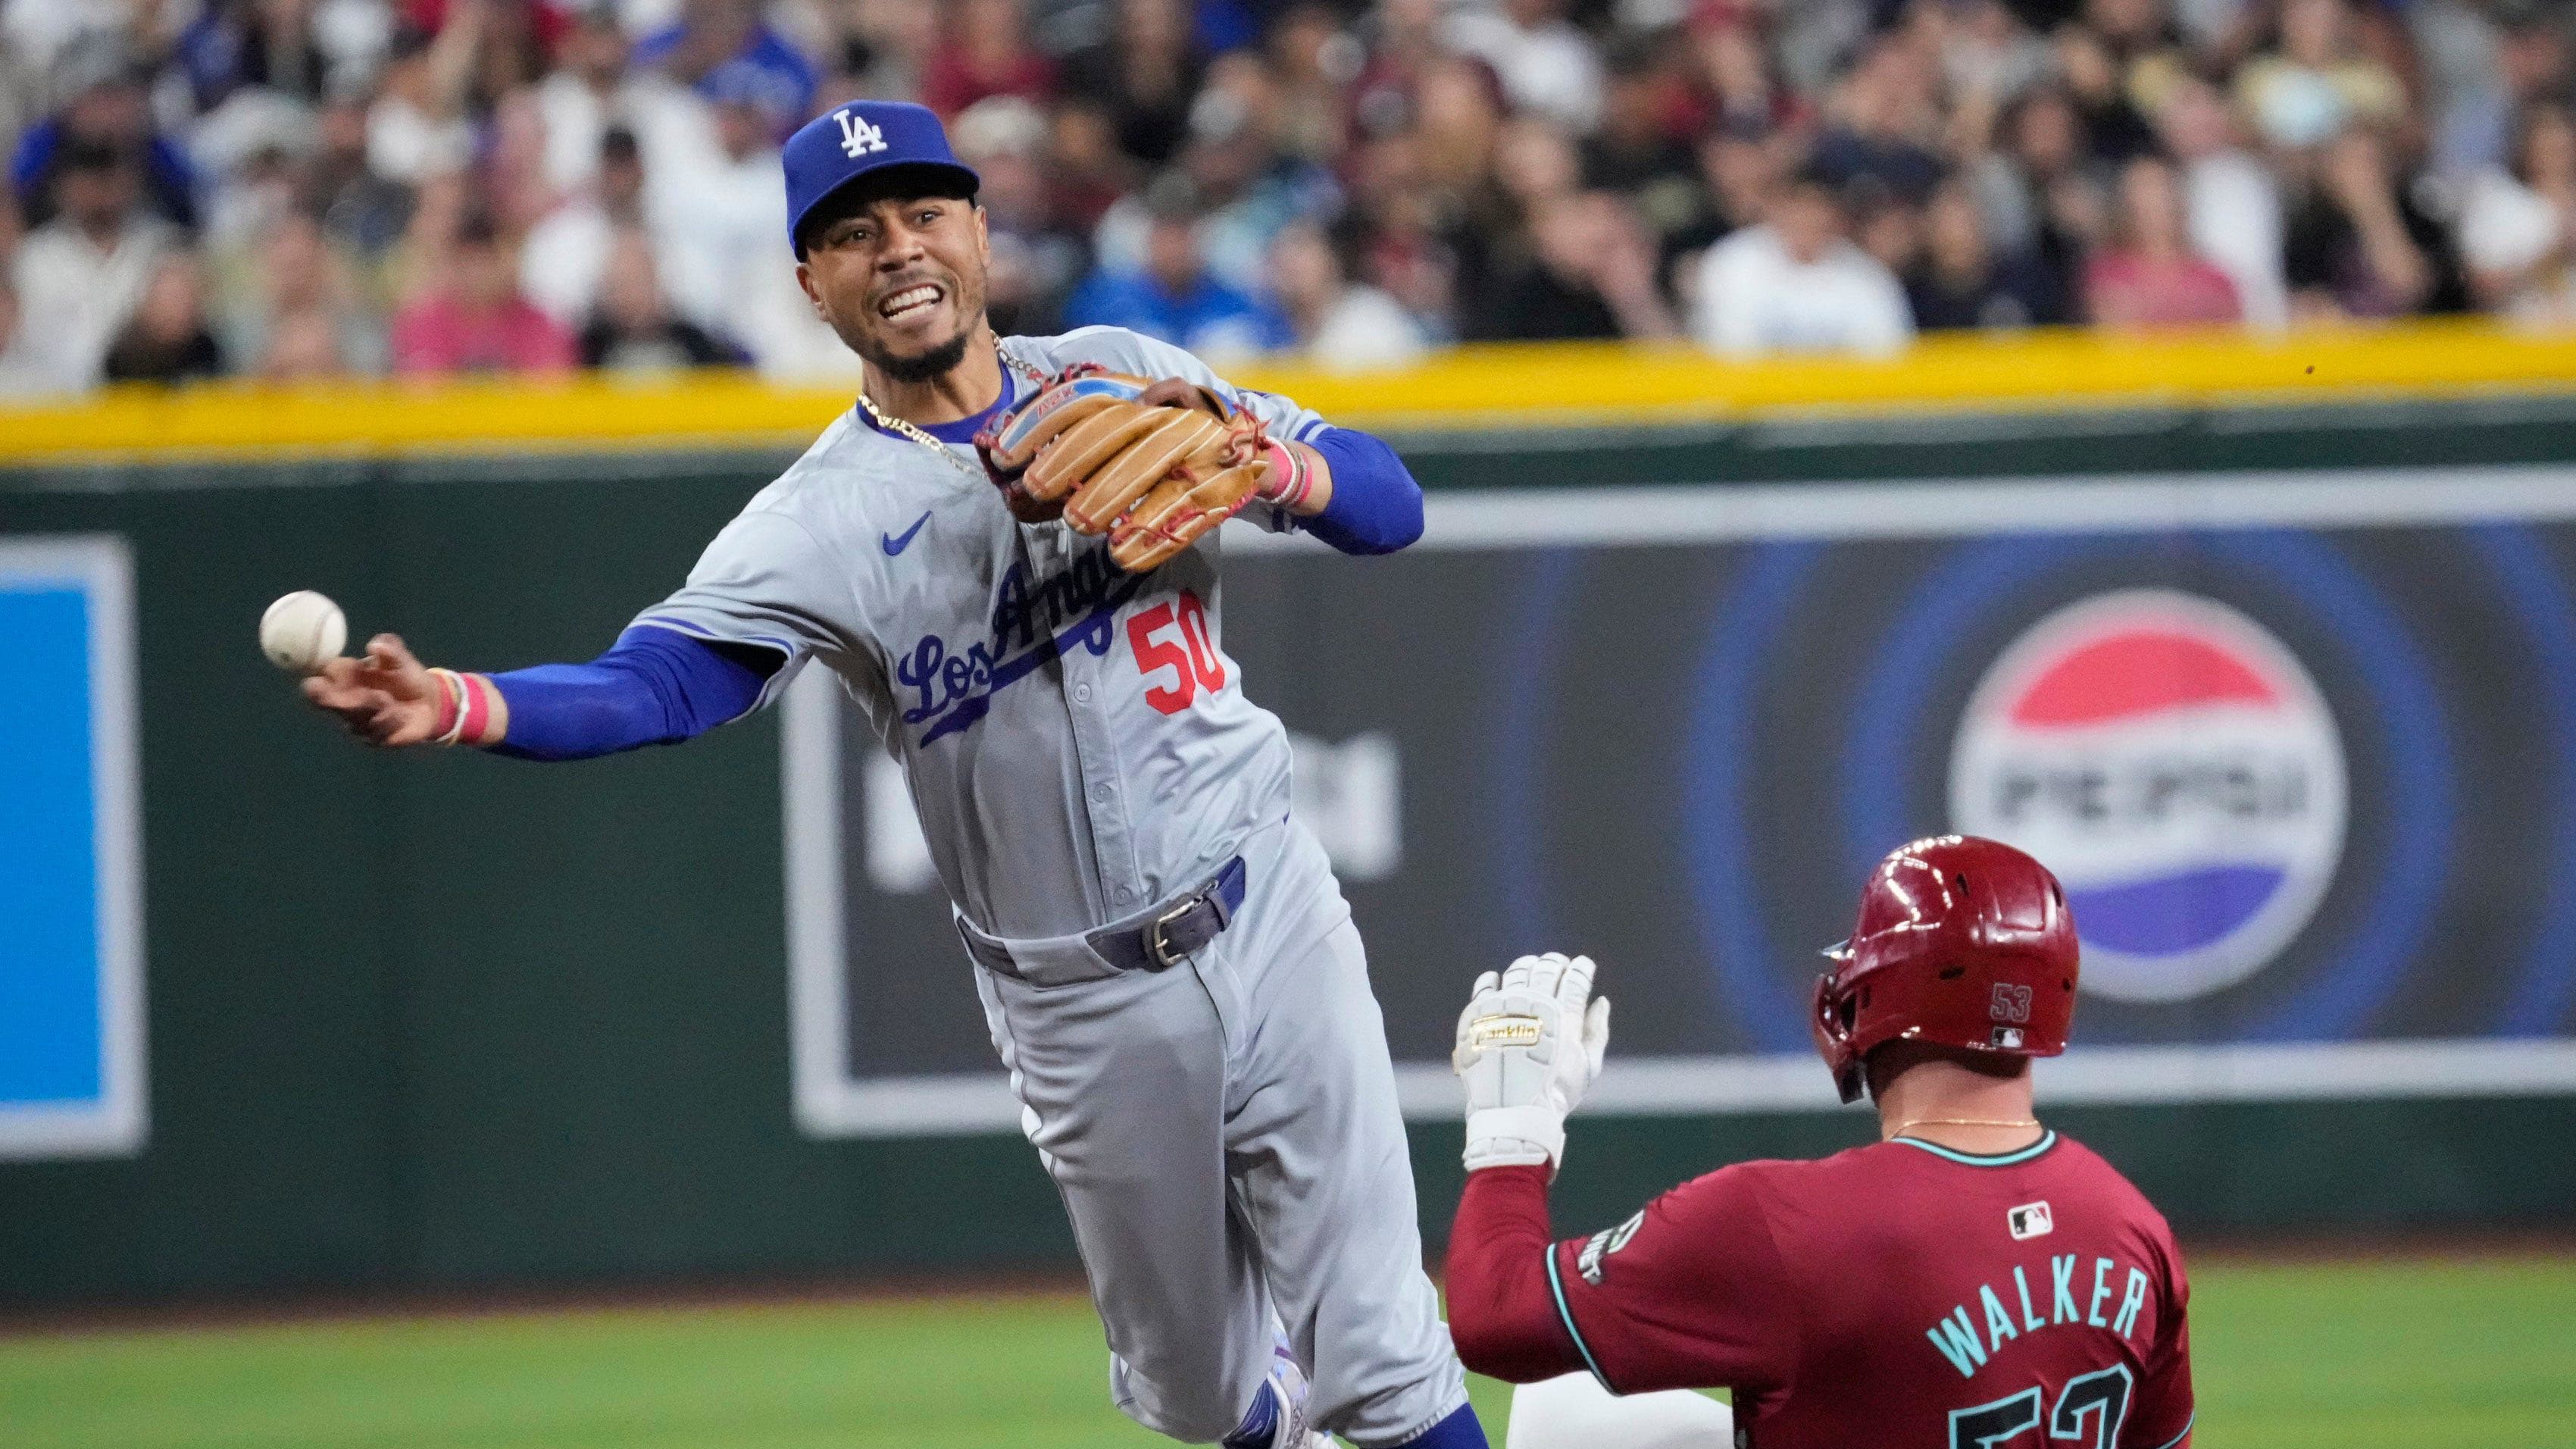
x=1157 y=949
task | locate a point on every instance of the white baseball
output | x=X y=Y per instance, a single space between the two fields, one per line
x=301 y=630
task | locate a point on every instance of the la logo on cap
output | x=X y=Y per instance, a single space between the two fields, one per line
x=858 y=138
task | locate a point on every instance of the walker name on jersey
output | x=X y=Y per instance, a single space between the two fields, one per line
x=1032 y=623
x=1967 y=1343
x=2174 y=764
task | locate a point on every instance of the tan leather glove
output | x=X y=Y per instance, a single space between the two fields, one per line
x=1153 y=465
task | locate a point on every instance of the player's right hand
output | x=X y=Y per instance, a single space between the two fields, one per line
x=385 y=696
x=1529 y=1044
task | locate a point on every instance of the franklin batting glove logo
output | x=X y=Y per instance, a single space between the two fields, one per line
x=1488 y=1032
x=858 y=138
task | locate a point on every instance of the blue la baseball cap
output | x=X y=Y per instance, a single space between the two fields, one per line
x=861 y=139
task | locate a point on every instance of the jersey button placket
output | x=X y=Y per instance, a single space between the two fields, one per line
x=1096 y=747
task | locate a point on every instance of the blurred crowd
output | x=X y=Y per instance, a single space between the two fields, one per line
x=294 y=189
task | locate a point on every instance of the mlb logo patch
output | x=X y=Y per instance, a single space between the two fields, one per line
x=2030 y=1220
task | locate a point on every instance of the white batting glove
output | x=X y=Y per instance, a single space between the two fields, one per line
x=1527 y=1049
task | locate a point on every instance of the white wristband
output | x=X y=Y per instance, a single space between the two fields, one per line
x=1515 y=1137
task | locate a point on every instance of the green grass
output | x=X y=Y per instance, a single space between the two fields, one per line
x=2423 y=1354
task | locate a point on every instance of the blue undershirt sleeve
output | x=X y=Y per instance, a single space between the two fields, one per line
x=654 y=686
x=1376 y=506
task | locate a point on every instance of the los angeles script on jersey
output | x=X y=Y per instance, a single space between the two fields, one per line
x=954 y=688
x=1967 y=1344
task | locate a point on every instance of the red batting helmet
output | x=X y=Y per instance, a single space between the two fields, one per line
x=1961 y=942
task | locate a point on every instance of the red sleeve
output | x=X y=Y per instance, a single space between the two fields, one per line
x=1691 y=1293
x=1501 y=1315
x=2163 y=1415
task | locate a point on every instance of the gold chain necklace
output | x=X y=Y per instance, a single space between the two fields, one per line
x=903 y=428
x=1905 y=1127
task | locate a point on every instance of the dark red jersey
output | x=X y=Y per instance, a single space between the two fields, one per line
x=1901 y=1295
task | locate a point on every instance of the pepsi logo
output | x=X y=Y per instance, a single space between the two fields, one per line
x=2176 y=767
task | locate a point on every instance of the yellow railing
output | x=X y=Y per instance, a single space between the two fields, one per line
x=1485 y=386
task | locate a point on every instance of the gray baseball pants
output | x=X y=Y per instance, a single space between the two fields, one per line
x=1226 y=1137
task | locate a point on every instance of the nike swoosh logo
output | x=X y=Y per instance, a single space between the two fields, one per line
x=894 y=543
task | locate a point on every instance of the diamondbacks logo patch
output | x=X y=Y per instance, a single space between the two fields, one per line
x=1602 y=1244
x=2030 y=1220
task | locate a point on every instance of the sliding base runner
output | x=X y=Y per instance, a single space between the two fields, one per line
x=1972 y=1281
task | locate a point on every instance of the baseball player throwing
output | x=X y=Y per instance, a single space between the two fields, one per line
x=1166 y=963
x=1972 y=1281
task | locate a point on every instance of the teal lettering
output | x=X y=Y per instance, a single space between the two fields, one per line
x=2101 y=1290
x=2061 y=1273
x=1999 y=1325
x=2028 y=1318
x=2133 y=1298
x=1957 y=1339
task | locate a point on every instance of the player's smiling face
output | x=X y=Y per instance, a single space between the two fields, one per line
x=901 y=279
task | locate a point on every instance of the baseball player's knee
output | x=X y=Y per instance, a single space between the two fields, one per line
x=1574 y=1412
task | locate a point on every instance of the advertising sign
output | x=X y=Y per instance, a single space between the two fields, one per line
x=2302 y=748
x=71 y=971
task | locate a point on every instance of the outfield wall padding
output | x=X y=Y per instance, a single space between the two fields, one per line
x=449 y=1020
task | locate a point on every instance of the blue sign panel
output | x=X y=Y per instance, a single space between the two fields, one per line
x=70 y=959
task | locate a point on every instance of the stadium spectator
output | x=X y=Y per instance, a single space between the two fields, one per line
x=715 y=210
x=2335 y=159
x=2518 y=227
x=2045 y=194
x=728 y=50
x=2358 y=242
x=1882 y=126
x=1636 y=152
x=167 y=340
x=2150 y=277
x=80 y=275
x=362 y=208
x=2318 y=81
x=1590 y=273
x=1960 y=281
x=631 y=330
x=106 y=102
x=302 y=347
x=1143 y=75
x=1313 y=62
x=2483 y=64
x=1795 y=283
x=984 y=51
x=1173 y=297
x=473 y=319
x=1036 y=259
x=22 y=372
x=417 y=127
x=561 y=262
x=277 y=46
x=1546 y=66
x=590 y=93
x=1339 y=326
x=297 y=273
x=2233 y=203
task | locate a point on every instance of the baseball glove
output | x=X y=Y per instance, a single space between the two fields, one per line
x=1152 y=465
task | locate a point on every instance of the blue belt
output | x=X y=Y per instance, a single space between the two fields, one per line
x=1159 y=943
x=1153 y=941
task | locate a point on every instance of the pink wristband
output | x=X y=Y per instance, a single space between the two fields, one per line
x=478 y=710
x=1291 y=481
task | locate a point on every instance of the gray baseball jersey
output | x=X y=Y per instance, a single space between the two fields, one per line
x=1225 y=1133
x=1076 y=739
